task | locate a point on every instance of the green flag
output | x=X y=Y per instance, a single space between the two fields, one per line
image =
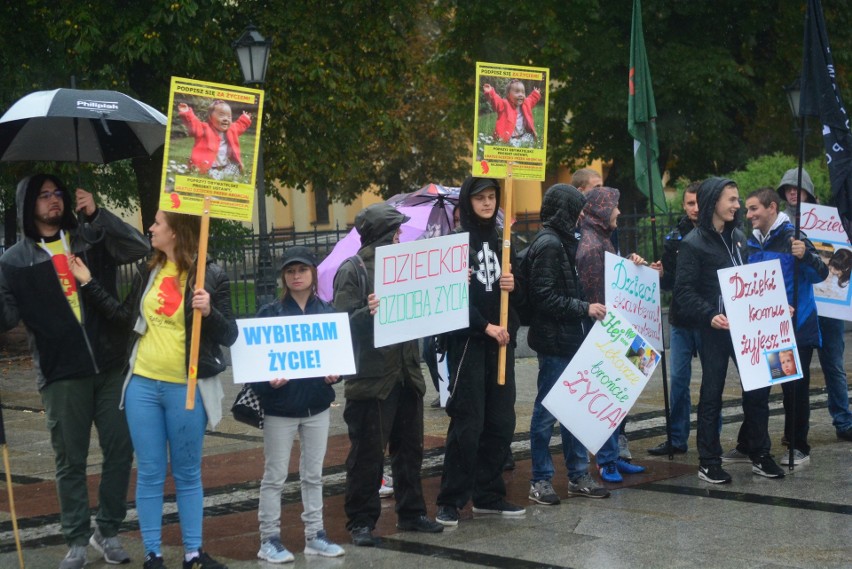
x=641 y=115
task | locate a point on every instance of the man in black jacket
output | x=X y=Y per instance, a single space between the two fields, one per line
x=684 y=338
x=78 y=353
x=717 y=243
x=559 y=312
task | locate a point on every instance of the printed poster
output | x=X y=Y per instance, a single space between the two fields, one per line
x=634 y=290
x=510 y=122
x=759 y=316
x=212 y=141
x=822 y=226
x=292 y=347
x=603 y=381
x=422 y=288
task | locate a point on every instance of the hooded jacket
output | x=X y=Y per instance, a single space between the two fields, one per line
x=64 y=347
x=595 y=240
x=703 y=252
x=485 y=257
x=378 y=369
x=669 y=260
x=555 y=295
x=790 y=179
x=776 y=245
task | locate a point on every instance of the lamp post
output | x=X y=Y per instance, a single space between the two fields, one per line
x=252 y=51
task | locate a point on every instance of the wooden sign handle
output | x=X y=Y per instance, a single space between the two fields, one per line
x=505 y=268
x=200 y=273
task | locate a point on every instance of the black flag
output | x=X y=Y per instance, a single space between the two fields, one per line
x=821 y=97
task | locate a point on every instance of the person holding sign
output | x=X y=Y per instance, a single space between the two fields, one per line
x=774 y=237
x=159 y=310
x=557 y=330
x=600 y=219
x=291 y=408
x=715 y=244
x=832 y=329
x=216 y=152
x=78 y=353
x=482 y=413
x=384 y=401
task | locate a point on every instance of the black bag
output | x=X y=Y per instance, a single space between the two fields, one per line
x=246 y=408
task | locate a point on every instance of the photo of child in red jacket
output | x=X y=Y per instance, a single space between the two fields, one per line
x=515 y=125
x=216 y=152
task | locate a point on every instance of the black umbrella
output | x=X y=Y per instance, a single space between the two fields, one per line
x=72 y=125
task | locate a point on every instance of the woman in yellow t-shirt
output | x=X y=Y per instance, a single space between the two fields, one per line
x=159 y=308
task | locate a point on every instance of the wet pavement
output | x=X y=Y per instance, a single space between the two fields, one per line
x=664 y=517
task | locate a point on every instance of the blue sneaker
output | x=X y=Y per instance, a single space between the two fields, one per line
x=609 y=473
x=273 y=550
x=626 y=467
x=322 y=546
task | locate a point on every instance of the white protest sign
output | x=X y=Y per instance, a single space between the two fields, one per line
x=422 y=288
x=292 y=347
x=603 y=380
x=822 y=226
x=759 y=317
x=634 y=290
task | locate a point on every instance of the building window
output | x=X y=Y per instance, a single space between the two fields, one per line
x=321 y=205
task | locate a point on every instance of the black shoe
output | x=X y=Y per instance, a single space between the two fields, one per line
x=362 y=536
x=664 y=449
x=845 y=435
x=510 y=462
x=714 y=474
x=766 y=466
x=153 y=561
x=203 y=561
x=447 y=516
x=420 y=523
x=436 y=404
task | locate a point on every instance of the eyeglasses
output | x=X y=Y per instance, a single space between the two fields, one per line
x=54 y=194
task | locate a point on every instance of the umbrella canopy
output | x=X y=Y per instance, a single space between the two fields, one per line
x=72 y=125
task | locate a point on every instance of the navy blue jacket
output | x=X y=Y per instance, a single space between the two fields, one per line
x=811 y=270
x=299 y=397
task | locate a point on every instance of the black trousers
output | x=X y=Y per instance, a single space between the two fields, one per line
x=716 y=349
x=482 y=423
x=396 y=423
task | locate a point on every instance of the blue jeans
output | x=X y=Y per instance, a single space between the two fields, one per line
x=831 y=361
x=541 y=428
x=684 y=342
x=159 y=424
x=609 y=451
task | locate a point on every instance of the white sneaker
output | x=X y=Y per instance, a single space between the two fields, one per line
x=386 y=490
x=322 y=546
x=798 y=458
x=273 y=550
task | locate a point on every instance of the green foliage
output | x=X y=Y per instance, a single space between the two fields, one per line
x=768 y=170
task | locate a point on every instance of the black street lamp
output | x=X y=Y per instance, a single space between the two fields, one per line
x=794 y=92
x=252 y=51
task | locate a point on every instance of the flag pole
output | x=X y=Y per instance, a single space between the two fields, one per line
x=653 y=212
x=505 y=267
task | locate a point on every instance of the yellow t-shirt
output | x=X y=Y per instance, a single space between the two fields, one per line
x=162 y=350
x=66 y=279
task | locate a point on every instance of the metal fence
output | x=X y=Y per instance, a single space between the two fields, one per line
x=239 y=256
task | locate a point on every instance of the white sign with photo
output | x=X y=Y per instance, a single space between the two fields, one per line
x=292 y=347
x=603 y=381
x=759 y=316
x=634 y=290
x=821 y=224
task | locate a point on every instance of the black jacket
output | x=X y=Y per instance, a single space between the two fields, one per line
x=702 y=253
x=670 y=250
x=217 y=328
x=300 y=397
x=62 y=346
x=555 y=296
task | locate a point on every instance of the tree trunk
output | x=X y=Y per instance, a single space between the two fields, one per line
x=148 y=181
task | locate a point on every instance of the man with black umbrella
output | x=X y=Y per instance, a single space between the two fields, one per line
x=78 y=354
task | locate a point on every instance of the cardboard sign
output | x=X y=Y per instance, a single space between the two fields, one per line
x=292 y=347
x=510 y=121
x=757 y=310
x=212 y=141
x=603 y=381
x=422 y=288
x=822 y=226
x=634 y=290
